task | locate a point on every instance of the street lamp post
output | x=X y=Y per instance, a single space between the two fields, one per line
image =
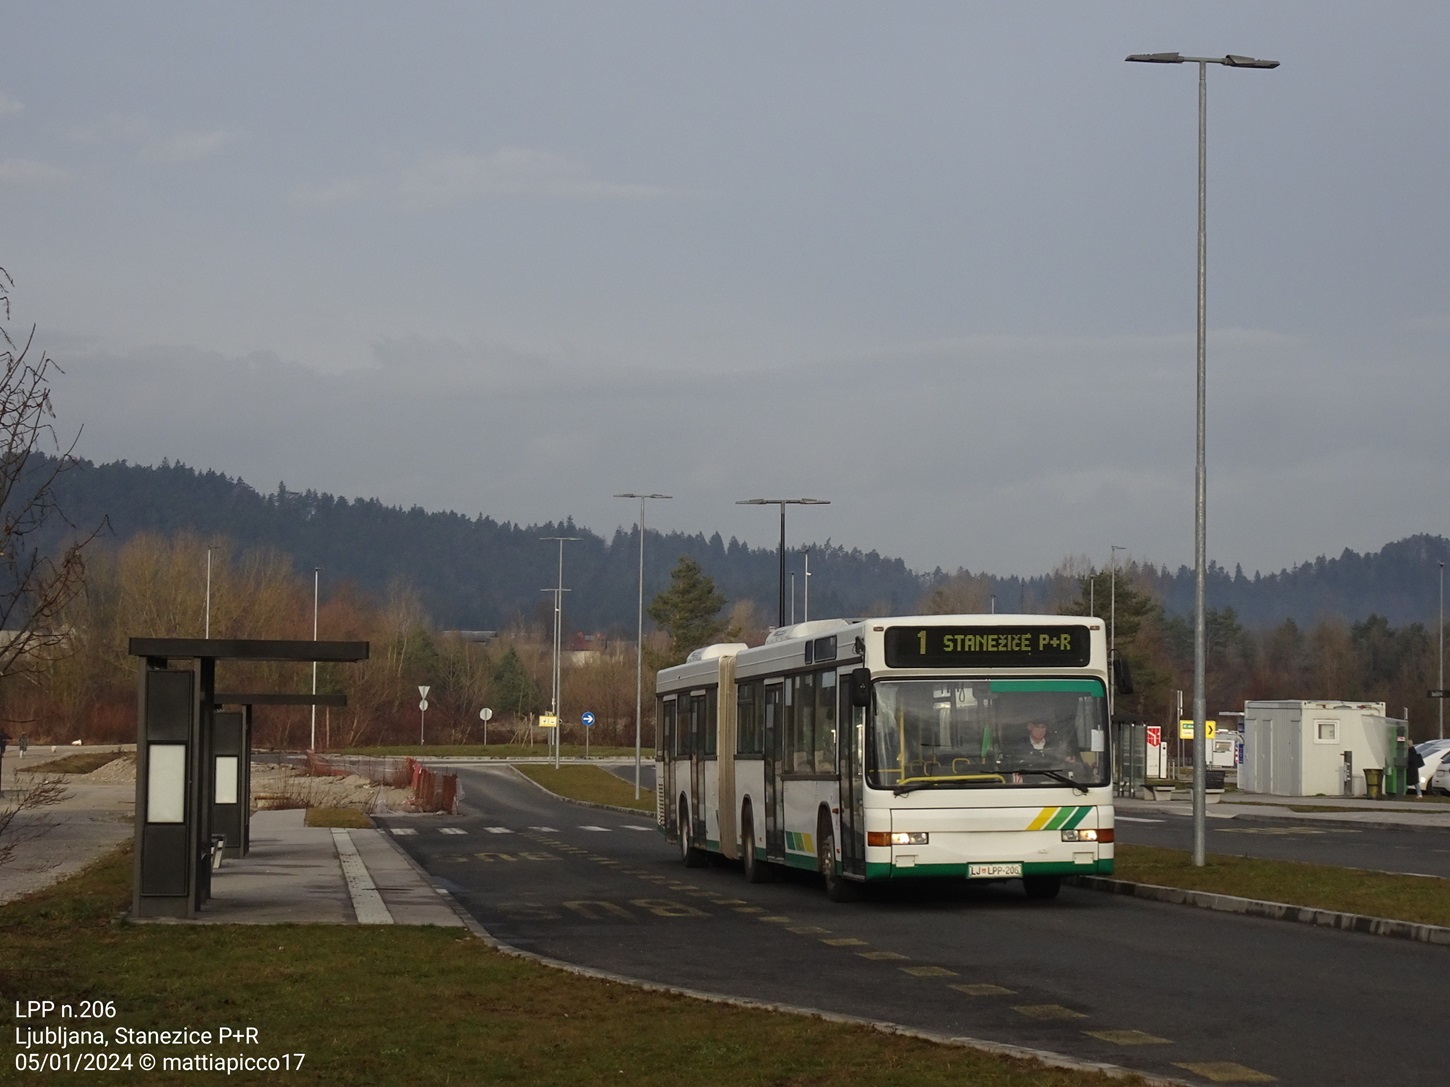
x=1231 y=60
x=316 y=575
x=1442 y=651
x=782 y=503
x=558 y=592
x=806 y=592
x=1113 y=621
x=207 y=622
x=639 y=638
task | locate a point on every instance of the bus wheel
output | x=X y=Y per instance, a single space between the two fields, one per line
x=838 y=887
x=1042 y=887
x=693 y=858
x=756 y=870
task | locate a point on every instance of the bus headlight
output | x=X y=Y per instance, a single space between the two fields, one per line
x=1088 y=835
x=899 y=837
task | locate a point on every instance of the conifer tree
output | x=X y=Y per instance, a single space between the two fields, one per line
x=689 y=610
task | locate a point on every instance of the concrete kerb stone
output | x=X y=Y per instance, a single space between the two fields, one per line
x=1275 y=911
x=1043 y=1056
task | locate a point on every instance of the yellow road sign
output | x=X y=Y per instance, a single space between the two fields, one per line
x=1185 y=729
x=548 y=720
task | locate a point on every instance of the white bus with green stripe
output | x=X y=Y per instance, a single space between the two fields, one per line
x=959 y=746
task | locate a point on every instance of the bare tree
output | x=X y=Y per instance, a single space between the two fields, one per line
x=18 y=822
x=41 y=565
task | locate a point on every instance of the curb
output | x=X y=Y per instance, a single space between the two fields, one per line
x=1274 y=911
x=1043 y=1056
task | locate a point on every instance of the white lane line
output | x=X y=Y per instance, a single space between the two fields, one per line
x=400 y=831
x=601 y=830
x=366 y=902
x=451 y=830
x=498 y=830
x=1135 y=819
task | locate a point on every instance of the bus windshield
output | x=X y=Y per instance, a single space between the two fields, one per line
x=962 y=733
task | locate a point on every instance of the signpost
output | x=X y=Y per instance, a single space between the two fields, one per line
x=423 y=690
x=485 y=715
x=588 y=721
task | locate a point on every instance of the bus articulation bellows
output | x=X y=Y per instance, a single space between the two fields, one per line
x=960 y=746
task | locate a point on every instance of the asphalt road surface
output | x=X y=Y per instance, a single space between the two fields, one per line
x=1199 y=996
x=1419 y=850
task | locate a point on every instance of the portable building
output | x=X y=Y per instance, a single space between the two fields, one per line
x=1305 y=748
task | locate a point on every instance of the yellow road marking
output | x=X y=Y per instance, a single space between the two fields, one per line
x=845 y=941
x=1128 y=1037
x=1227 y=1072
x=878 y=955
x=1047 y=1011
x=929 y=971
x=983 y=990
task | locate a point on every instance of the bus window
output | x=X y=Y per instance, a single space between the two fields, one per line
x=749 y=719
x=826 y=740
x=800 y=724
x=1002 y=732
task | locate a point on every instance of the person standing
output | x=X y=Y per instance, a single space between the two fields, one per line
x=1414 y=763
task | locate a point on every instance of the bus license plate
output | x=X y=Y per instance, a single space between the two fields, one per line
x=994 y=871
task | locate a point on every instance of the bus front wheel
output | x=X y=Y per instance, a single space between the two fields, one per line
x=1042 y=887
x=838 y=887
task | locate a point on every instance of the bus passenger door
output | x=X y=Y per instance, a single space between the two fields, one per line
x=698 y=722
x=667 y=786
x=850 y=772
x=774 y=795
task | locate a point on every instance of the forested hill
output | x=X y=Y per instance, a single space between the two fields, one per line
x=479 y=574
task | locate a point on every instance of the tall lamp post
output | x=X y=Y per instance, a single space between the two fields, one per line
x=1200 y=813
x=639 y=637
x=1113 y=622
x=782 y=503
x=558 y=592
x=316 y=575
x=1442 y=651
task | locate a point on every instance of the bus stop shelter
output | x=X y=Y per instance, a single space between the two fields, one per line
x=191 y=761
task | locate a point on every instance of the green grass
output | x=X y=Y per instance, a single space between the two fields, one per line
x=1419 y=899
x=590 y=784
x=426 y=1006
x=345 y=818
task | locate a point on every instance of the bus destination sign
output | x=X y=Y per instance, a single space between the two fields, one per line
x=988 y=647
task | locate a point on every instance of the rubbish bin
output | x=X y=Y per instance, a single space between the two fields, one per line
x=1372 y=780
x=1213 y=779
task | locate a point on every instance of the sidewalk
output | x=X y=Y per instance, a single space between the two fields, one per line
x=1330 y=810
x=294 y=874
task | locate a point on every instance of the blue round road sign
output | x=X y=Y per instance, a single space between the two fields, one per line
x=588 y=719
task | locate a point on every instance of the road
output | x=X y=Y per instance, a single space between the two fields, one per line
x=1421 y=851
x=1191 y=994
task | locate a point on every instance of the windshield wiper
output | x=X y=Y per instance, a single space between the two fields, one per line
x=1056 y=775
x=914 y=784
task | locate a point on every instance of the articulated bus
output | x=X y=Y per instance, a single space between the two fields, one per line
x=960 y=746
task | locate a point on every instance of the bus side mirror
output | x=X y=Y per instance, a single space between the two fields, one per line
x=1122 y=676
x=860 y=686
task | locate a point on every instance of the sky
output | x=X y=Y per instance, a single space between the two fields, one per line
x=934 y=263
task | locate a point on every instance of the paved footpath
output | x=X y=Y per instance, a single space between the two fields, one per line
x=293 y=873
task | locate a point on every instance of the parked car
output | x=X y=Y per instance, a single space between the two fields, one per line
x=1432 y=751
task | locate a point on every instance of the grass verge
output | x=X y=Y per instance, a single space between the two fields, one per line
x=591 y=784
x=345 y=818
x=82 y=763
x=423 y=1006
x=1422 y=900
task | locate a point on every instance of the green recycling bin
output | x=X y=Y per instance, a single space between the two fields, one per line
x=1373 y=777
